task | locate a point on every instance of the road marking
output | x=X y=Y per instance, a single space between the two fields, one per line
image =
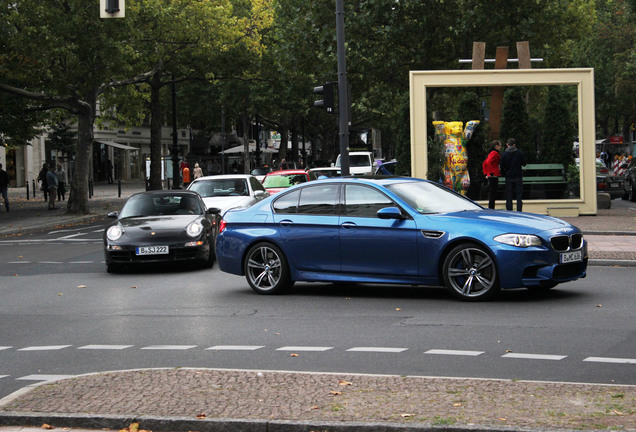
x=50 y=262
x=303 y=348
x=44 y=377
x=610 y=360
x=377 y=349
x=44 y=348
x=3 y=376
x=235 y=347
x=4 y=347
x=534 y=356
x=169 y=347
x=104 y=347
x=454 y=352
x=19 y=262
x=80 y=262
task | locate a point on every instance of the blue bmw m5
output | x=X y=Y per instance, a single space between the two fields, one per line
x=396 y=231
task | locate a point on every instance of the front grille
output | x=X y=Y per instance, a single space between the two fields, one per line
x=562 y=243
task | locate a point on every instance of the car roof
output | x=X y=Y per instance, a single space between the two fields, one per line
x=285 y=172
x=167 y=192
x=223 y=177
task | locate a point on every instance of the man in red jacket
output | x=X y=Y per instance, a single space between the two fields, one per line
x=491 y=171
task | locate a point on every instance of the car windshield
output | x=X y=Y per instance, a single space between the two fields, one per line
x=260 y=171
x=428 y=198
x=356 y=161
x=220 y=187
x=283 y=181
x=157 y=205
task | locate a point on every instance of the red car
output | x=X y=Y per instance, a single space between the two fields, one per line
x=277 y=181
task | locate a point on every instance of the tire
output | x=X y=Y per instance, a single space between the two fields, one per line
x=112 y=268
x=470 y=273
x=266 y=269
x=209 y=263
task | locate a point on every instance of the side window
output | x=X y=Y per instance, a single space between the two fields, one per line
x=256 y=185
x=287 y=204
x=318 y=200
x=362 y=201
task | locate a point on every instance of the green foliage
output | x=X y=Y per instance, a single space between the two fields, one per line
x=558 y=129
x=62 y=137
x=515 y=121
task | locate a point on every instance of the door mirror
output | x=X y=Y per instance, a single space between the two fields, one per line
x=390 y=213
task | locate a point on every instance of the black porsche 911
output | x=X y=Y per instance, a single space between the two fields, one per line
x=161 y=226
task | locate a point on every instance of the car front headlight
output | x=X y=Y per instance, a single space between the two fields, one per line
x=194 y=229
x=115 y=232
x=519 y=240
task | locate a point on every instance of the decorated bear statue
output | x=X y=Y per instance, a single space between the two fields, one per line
x=455 y=136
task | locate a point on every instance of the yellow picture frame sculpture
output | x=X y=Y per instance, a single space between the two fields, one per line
x=582 y=78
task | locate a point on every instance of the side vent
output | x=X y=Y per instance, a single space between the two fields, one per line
x=433 y=234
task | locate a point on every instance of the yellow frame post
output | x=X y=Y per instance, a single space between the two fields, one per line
x=583 y=78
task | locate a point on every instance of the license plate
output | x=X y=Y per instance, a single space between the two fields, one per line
x=152 y=250
x=574 y=256
x=614 y=185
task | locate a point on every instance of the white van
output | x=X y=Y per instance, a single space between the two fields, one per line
x=360 y=163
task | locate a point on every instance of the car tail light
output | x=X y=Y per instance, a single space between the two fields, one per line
x=222 y=225
x=602 y=185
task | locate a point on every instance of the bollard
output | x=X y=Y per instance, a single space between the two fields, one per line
x=27 y=189
x=119 y=188
x=90 y=188
x=168 y=183
x=33 y=187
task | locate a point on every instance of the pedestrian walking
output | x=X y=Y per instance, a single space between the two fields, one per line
x=197 y=172
x=51 y=179
x=109 y=171
x=511 y=162
x=61 y=182
x=491 y=171
x=44 y=187
x=4 y=186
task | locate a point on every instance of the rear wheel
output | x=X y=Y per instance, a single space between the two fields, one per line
x=266 y=269
x=470 y=273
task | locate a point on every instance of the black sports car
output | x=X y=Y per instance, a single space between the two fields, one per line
x=160 y=226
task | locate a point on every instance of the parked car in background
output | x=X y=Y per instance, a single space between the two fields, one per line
x=325 y=172
x=629 y=181
x=224 y=192
x=160 y=226
x=396 y=230
x=607 y=182
x=277 y=181
x=360 y=163
x=261 y=172
x=386 y=168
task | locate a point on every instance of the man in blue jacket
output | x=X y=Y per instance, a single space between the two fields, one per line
x=511 y=163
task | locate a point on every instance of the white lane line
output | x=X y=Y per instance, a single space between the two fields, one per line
x=44 y=377
x=50 y=262
x=19 y=262
x=80 y=262
x=235 y=347
x=44 y=348
x=104 y=347
x=3 y=376
x=534 y=356
x=169 y=347
x=377 y=349
x=454 y=352
x=4 y=347
x=610 y=360
x=303 y=348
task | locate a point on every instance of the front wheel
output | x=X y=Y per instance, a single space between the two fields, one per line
x=266 y=269
x=470 y=273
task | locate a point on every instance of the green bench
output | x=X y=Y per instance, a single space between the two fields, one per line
x=540 y=181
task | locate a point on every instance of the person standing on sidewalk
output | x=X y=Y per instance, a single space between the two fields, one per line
x=61 y=183
x=511 y=163
x=51 y=179
x=4 y=185
x=491 y=171
x=44 y=187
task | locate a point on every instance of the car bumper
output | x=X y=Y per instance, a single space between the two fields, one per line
x=126 y=254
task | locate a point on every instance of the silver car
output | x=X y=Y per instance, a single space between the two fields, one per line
x=225 y=192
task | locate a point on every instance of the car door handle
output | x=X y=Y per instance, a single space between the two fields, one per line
x=348 y=225
x=286 y=222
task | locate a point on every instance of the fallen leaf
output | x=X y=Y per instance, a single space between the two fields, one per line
x=344 y=383
x=457 y=404
x=405 y=415
x=315 y=407
x=501 y=418
x=60 y=294
x=508 y=351
x=335 y=393
x=47 y=426
x=81 y=286
x=133 y=286
x=398 y=309
x=599 y=305
x=201 y=416
x=618 y=413
x=293 y=355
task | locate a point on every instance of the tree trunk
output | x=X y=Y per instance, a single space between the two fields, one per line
x=78 y=195
x=246 y=143
x=155 y=133
x=294 y=140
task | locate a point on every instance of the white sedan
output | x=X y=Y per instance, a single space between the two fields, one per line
x=225 y=192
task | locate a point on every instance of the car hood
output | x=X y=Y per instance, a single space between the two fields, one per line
x=162 y=226
x=505 y=221
x=225 y=203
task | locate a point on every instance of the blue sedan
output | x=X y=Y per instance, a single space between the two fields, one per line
x=396 y=231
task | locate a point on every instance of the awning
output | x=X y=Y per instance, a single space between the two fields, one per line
x=118 y=145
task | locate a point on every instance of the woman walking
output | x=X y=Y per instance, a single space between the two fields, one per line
x=491 y=171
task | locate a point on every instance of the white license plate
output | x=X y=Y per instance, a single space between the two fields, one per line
x=151 y=250
x=574 y=256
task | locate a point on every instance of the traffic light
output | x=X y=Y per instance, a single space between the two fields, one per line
x=112 y=6
x=327 y=101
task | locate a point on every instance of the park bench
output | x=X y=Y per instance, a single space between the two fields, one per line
x=540 y=181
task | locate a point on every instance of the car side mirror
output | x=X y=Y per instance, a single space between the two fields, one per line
x=390 y=213
x=113 y=214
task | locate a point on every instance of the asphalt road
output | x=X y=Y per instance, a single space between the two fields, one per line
x=61 y=315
